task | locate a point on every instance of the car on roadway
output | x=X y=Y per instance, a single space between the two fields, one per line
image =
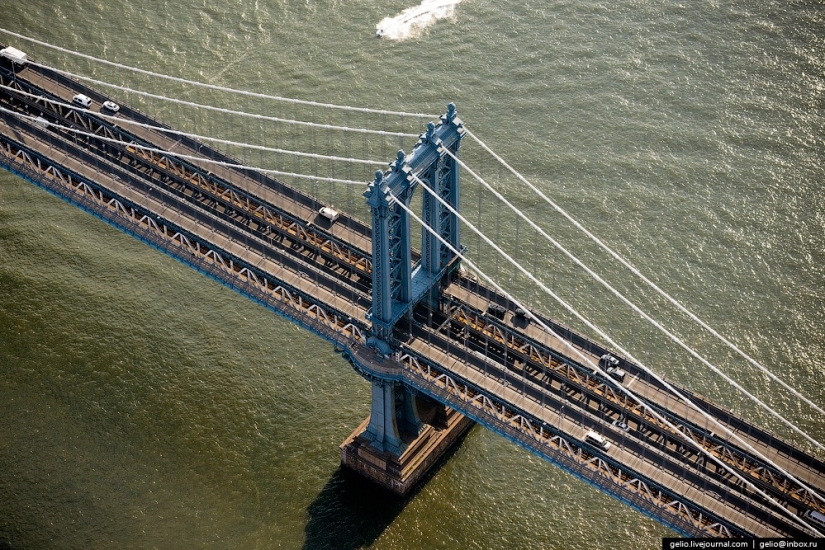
x=82 y=100
x=611 y=366
x=595 y=439
x=622 y=425
x=111 y=106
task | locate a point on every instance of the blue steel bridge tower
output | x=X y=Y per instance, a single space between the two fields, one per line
x=398 y=285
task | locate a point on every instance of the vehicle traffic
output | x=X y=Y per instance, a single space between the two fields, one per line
x=82 y=100
x=611 y=366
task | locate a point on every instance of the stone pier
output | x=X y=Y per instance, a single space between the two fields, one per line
x=402 y=468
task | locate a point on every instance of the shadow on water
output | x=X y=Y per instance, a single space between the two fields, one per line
x=350 y=512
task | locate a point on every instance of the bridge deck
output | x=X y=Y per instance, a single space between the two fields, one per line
x=202 y=224
x=801 y=466
x=571 y=419
x=272 y=192
x=566 y=398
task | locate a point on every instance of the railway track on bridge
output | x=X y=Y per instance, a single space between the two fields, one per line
x=568 y=391
x=275 y=242
x=296 y=232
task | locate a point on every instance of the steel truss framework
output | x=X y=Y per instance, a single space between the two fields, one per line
x=348 y=334
x=545 y=441
x=543 y=363
x=403 y=366
x=170 y=169
x=287 y=301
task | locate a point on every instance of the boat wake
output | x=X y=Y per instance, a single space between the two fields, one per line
x=412 y=21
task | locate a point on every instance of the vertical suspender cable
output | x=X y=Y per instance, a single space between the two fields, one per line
x=647 y=281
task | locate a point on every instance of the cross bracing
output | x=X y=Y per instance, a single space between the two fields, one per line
x=230 y=215
x=308 y=310
x=539 y=361
x=596 y=366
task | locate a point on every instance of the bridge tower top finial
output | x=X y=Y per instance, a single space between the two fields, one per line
x=399 y=161
x=430 y=132
x=451 y=112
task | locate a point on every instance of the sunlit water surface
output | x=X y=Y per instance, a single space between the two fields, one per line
x=143 y=405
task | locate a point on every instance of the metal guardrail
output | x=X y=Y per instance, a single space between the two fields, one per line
x=179 y=253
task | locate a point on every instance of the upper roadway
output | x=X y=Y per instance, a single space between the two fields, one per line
x=270 y=229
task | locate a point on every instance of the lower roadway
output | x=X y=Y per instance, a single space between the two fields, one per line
x=545 y=404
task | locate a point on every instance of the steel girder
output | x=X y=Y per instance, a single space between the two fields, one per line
x=397 y=284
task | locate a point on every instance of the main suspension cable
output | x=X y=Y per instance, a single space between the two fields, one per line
x=222 y=109
x=604 y=335
x=595 y=367
x=185 y=157
x=635 y=308
x=647 y=281
x=213 y=86
x=128 y=121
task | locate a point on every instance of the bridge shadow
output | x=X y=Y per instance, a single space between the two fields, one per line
x=350 y=512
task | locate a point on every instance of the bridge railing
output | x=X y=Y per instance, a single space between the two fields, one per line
x=552 y=455
x=177 y=251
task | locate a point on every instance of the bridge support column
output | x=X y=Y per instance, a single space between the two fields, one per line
x=393 y=411
x=406 y=433
x=394 y=447
x=407 y=456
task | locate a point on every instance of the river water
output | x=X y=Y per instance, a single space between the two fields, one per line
x=144 y=406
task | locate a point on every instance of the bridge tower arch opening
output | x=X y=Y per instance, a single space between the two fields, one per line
x=394 y=446
x=398 y=285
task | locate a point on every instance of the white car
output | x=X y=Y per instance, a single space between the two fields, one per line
x=329 y=213
x=612 y=367
x=82 y=100
x=621 y=425
x=111 y=106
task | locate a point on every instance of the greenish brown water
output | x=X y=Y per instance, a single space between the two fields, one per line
x=145 y=406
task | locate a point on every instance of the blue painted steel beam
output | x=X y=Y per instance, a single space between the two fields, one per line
x=182 y=256
x=397 y=285
x=518 y=437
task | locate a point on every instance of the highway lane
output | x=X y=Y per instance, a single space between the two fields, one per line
x=164 y=206
x=289 y=240
x=805 y=467
x=552 y=403
x=347 y=232
x=509 y=381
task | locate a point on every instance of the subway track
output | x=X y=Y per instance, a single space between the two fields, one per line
x=276 y=230
x=582 y=398
x=229 y=199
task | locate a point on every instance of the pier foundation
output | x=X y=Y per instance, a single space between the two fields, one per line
x=400 y=469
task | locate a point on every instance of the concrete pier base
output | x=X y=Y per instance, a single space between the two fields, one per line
x=400 y=473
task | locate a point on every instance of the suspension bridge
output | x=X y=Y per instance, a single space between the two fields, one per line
x=442 y=344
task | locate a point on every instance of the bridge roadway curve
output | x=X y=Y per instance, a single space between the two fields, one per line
x=645 y=448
